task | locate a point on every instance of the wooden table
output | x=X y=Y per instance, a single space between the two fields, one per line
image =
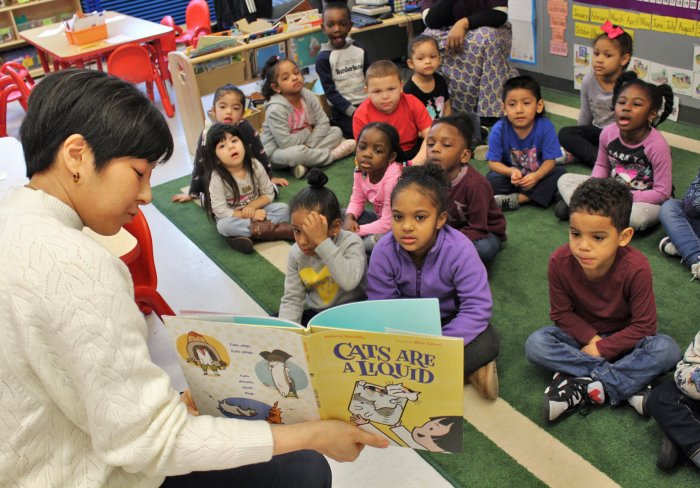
x=50 y=41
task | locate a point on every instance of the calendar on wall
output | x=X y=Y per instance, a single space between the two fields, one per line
x=685 y=9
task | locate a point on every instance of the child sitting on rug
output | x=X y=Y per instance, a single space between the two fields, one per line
x=523 y=147
x=376 y=173
x=341 y=65
x=681 y=220
x=228 y=107
x=296 y=132
x=676 y=408
x=326 y=265
x=239 y=193
x=430 y=87
x=387 y=103
x=632 y=150
x=471 y=207
x=424 y=258
x=612 y=51
x=604 y=340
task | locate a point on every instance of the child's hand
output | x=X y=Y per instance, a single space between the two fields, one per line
x=315 y=228
x=516 y=176
x=248 y=212
x=351 y=224
x=260 y=215
x=591 y=349
x=186 y=398
x=280 y=181
x=181 y=197
x=528 y=181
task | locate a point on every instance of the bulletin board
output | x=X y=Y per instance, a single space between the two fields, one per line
x=685 y=9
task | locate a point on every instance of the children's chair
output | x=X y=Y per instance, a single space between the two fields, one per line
x=143 y=270
x=15 y=85
x=196 y=19
x=132 y=63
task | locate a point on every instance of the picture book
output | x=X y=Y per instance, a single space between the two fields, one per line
x=382 y=365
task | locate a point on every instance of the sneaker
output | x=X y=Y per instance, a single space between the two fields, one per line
x=561 y=210
x=571 y=394
x=480 y=152
x=639 y=401
x=485 y=380
x=667 y=247
x=299 y=171
x=507 y=202
x=484 y=133
x=565 y=158
x=240 y=244
x=557 y=380
x=668 y=455
x=345 y=148
x=695 y=271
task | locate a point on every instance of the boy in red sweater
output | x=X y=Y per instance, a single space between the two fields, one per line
x=604 y=341
x=386 y=102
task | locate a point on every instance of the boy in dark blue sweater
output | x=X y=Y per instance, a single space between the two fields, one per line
x=341 y=67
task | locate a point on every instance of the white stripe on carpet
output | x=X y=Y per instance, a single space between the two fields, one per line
x=552 y=462
x=275 y=252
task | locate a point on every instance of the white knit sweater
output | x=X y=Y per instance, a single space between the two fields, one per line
x=81 y=403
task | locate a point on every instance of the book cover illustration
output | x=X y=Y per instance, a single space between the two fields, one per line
x=397 y=379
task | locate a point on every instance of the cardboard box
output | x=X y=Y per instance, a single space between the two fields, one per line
x=256 y=117
x=235 y=72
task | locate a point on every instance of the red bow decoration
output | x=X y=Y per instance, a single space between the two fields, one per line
x=611 y=30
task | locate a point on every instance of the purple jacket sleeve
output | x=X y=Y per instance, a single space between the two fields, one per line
x=474 y=295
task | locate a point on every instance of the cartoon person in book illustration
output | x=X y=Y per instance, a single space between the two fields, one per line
x=436 y=435
x=385 y=405
x=281 y=379
x=204 y=354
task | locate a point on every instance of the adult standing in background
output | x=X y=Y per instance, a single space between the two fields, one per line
x=476 y=38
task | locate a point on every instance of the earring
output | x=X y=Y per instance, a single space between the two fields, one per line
x=76 y=177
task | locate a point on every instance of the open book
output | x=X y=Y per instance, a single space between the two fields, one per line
x=380 y=364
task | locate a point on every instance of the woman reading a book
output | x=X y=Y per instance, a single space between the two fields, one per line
x=82 y=403
x=476 y=39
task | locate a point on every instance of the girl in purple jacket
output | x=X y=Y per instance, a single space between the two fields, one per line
x=424 y=258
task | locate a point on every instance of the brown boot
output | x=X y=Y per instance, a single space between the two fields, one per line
x=267 y=231
x=485 y=380
x=240 y=244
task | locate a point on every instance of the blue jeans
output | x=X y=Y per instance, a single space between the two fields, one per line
x=554 y=349
x=237 y=227
x=683 y=230
x=487 y=247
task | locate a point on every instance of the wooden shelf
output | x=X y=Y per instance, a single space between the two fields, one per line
x=16 y=6
x=9 y=44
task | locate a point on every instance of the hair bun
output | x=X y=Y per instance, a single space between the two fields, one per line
x=317 y=178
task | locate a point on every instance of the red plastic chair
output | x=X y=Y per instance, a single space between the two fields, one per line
x=197 y=18
x=15 y=85
x=132 y=63
x=143 y=270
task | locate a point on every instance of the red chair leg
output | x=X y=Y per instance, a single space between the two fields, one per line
x=164 y=97
x=149 y=297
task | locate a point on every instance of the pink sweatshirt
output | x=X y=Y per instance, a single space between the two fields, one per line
x=379 y=195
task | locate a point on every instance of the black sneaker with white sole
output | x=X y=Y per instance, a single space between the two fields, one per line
x=570 y=395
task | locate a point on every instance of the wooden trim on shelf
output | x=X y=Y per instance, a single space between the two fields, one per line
x=9 y=44
x=16 y=6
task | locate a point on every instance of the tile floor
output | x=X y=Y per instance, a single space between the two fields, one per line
x=189 y=280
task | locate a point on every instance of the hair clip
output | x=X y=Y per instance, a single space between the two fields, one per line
x=611 y=30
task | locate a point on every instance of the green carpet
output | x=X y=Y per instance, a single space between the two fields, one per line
x=615 y=440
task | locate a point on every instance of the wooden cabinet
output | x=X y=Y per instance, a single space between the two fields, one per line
x=15 y=16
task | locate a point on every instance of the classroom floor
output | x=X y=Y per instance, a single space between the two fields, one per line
x=189 y=280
